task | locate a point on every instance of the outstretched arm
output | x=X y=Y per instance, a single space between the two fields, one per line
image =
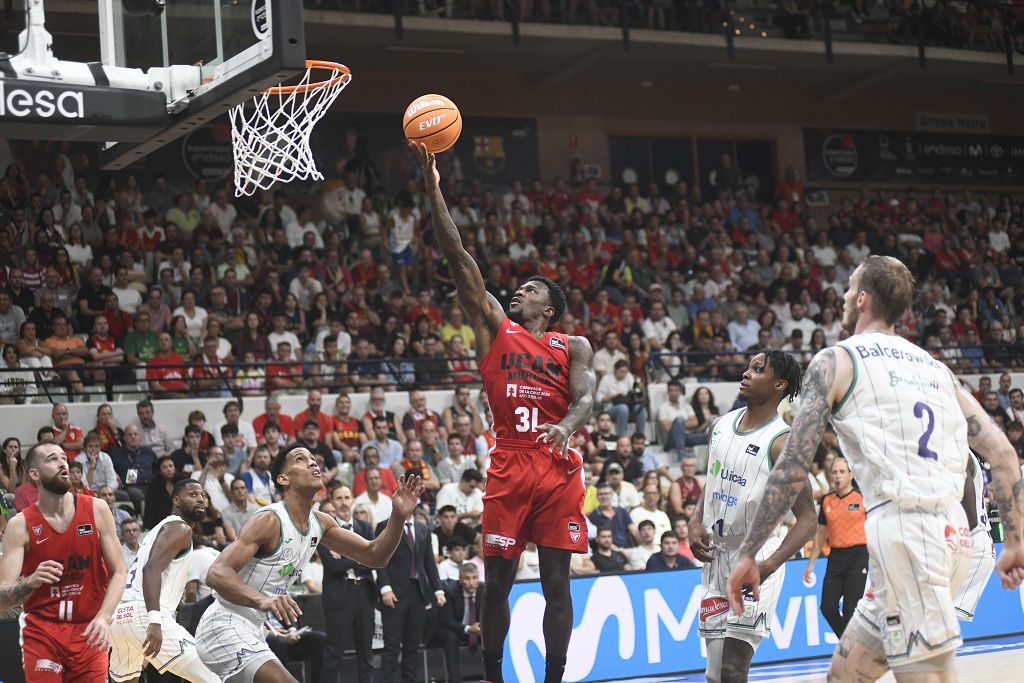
x=480 y=307
x=582 y=381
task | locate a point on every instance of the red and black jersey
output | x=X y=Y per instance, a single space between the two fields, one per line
x=77 y=597
x=526 y=380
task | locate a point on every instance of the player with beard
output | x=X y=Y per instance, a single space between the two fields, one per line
x=251 y=577
x=62 y=560
x=144 y=628
x=540 y=386
x=743 y=446
x=905 y=424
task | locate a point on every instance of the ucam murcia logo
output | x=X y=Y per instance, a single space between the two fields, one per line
x=557 y=343
x=499 y=540
x=574 y=532
x=37 y=529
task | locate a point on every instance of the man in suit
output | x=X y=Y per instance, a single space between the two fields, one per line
x=348 y=597
x=409 y=585
x=459 y=618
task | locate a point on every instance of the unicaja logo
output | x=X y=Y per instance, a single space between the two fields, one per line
x=716 y=466
x=19 y=102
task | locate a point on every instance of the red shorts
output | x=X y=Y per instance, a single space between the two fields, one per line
x=54 y=652
x=533 y=495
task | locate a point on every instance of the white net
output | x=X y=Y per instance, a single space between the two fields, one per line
x=270 y=134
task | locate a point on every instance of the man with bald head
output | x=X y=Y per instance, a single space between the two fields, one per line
x=134 y=464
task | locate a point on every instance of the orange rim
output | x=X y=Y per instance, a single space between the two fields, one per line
x=341 y=73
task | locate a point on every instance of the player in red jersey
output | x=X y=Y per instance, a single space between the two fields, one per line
x=62 y=560
x=540 y=387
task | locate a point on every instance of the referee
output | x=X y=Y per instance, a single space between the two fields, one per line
x=841 y=524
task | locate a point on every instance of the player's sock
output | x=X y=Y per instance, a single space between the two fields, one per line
x=554 y=669
x=492 y=667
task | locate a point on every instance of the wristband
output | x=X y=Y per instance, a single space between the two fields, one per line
x=155 y=617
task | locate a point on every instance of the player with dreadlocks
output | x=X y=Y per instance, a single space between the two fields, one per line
x=744 y=445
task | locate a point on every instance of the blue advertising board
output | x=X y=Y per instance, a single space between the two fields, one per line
x=645 y=624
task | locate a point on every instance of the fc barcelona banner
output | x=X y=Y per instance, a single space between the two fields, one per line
x=841 y=155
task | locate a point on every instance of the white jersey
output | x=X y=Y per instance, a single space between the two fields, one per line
x=979 y=495
x=900 y=425
x=272 y=574
x=172 y=579
x=738 y=469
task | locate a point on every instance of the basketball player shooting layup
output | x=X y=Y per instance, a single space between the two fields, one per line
x=251 y=577
x=904 y=424
x=540 y=387
x=62 y=559
x=744 y=446
x=144 y=627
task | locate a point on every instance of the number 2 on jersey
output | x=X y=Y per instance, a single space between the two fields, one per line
x=921 y=408
x=527 y=419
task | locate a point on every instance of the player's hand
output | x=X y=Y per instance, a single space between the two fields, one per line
x=745 y=573
x=283 y=607
x=406 y=496
x=428 y=165
x=97 y=634
x=700 y=543
x=48 y=571
x=1010 y=566
x=389 y=599
x=555 y=436
x=154 y=641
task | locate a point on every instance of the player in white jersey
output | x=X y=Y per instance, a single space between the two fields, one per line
x=251 y=577
x=904 y=424
x=983 y=551
x=744 y=445
x=144 y=627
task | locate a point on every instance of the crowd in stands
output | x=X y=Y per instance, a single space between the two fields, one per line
x=964 y=24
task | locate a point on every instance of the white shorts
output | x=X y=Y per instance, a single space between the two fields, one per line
x=177 y=653
x=716 y=619
x=231 y=646
x=983 y=561
x=918 y=562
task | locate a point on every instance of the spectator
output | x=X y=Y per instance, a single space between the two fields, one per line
x=413 y=461
x=141 y=343
x=165 y=371
x=607 y=558
x=154 y=434
x=459 y=618
x=417 y=414
x=618 y=394
x=191 y=457
x=626 y=495
x=257 y=478
x=216 y=479
x=645 y=548
x=608 y=515
x=309 y=438
x=610 y=353
x=130 y=541
x=378 y=503
x=106 y=494
x=686 y=487
x=76 y=478
x=236 y=455
x=464 y=496
x=389 y=450
x=111 y=435
x=233 y=416
x=285 y=424
x=448 y=568
x=241 y=508
x=97 y=467
x=68 y=353
x=11 y=318
x=135 y=465
x=669 y=557
x=462 y=405
x=650 y=509
x=159 y=503
x=313 y=412
x=66 y=435
x=346 y=431
x=378 y=409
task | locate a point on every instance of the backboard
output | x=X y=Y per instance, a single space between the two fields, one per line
x=167 y=67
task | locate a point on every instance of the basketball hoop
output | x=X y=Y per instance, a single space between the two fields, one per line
x=271 y=143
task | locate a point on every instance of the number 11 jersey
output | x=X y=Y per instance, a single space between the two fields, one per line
x=526 y=380
x=900 y=425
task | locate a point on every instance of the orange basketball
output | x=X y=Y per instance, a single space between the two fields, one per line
x=433 y=120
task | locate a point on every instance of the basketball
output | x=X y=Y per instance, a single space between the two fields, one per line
x=433 y=120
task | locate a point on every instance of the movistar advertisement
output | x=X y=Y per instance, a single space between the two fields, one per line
x=645 y=624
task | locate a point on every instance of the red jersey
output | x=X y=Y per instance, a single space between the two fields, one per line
x=526 y=380
x=77 y=597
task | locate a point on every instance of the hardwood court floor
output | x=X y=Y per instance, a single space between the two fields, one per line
x=981 y=661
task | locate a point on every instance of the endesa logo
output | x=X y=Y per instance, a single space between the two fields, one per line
x=19 y=102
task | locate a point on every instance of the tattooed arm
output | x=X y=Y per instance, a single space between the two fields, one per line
x=789 y=476
x=14 y=587
x=1006 y=488
x=799 y=533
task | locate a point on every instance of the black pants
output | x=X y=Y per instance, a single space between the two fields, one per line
x=310 y=649
x=354 y=624
x=845 y=577
x=137 y=494
x=449 y=642
x=403 y=632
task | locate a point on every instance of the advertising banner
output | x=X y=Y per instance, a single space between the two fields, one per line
x=645 y=624
x=881 y=156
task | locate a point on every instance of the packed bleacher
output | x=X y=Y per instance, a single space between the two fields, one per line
x=121 y=285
